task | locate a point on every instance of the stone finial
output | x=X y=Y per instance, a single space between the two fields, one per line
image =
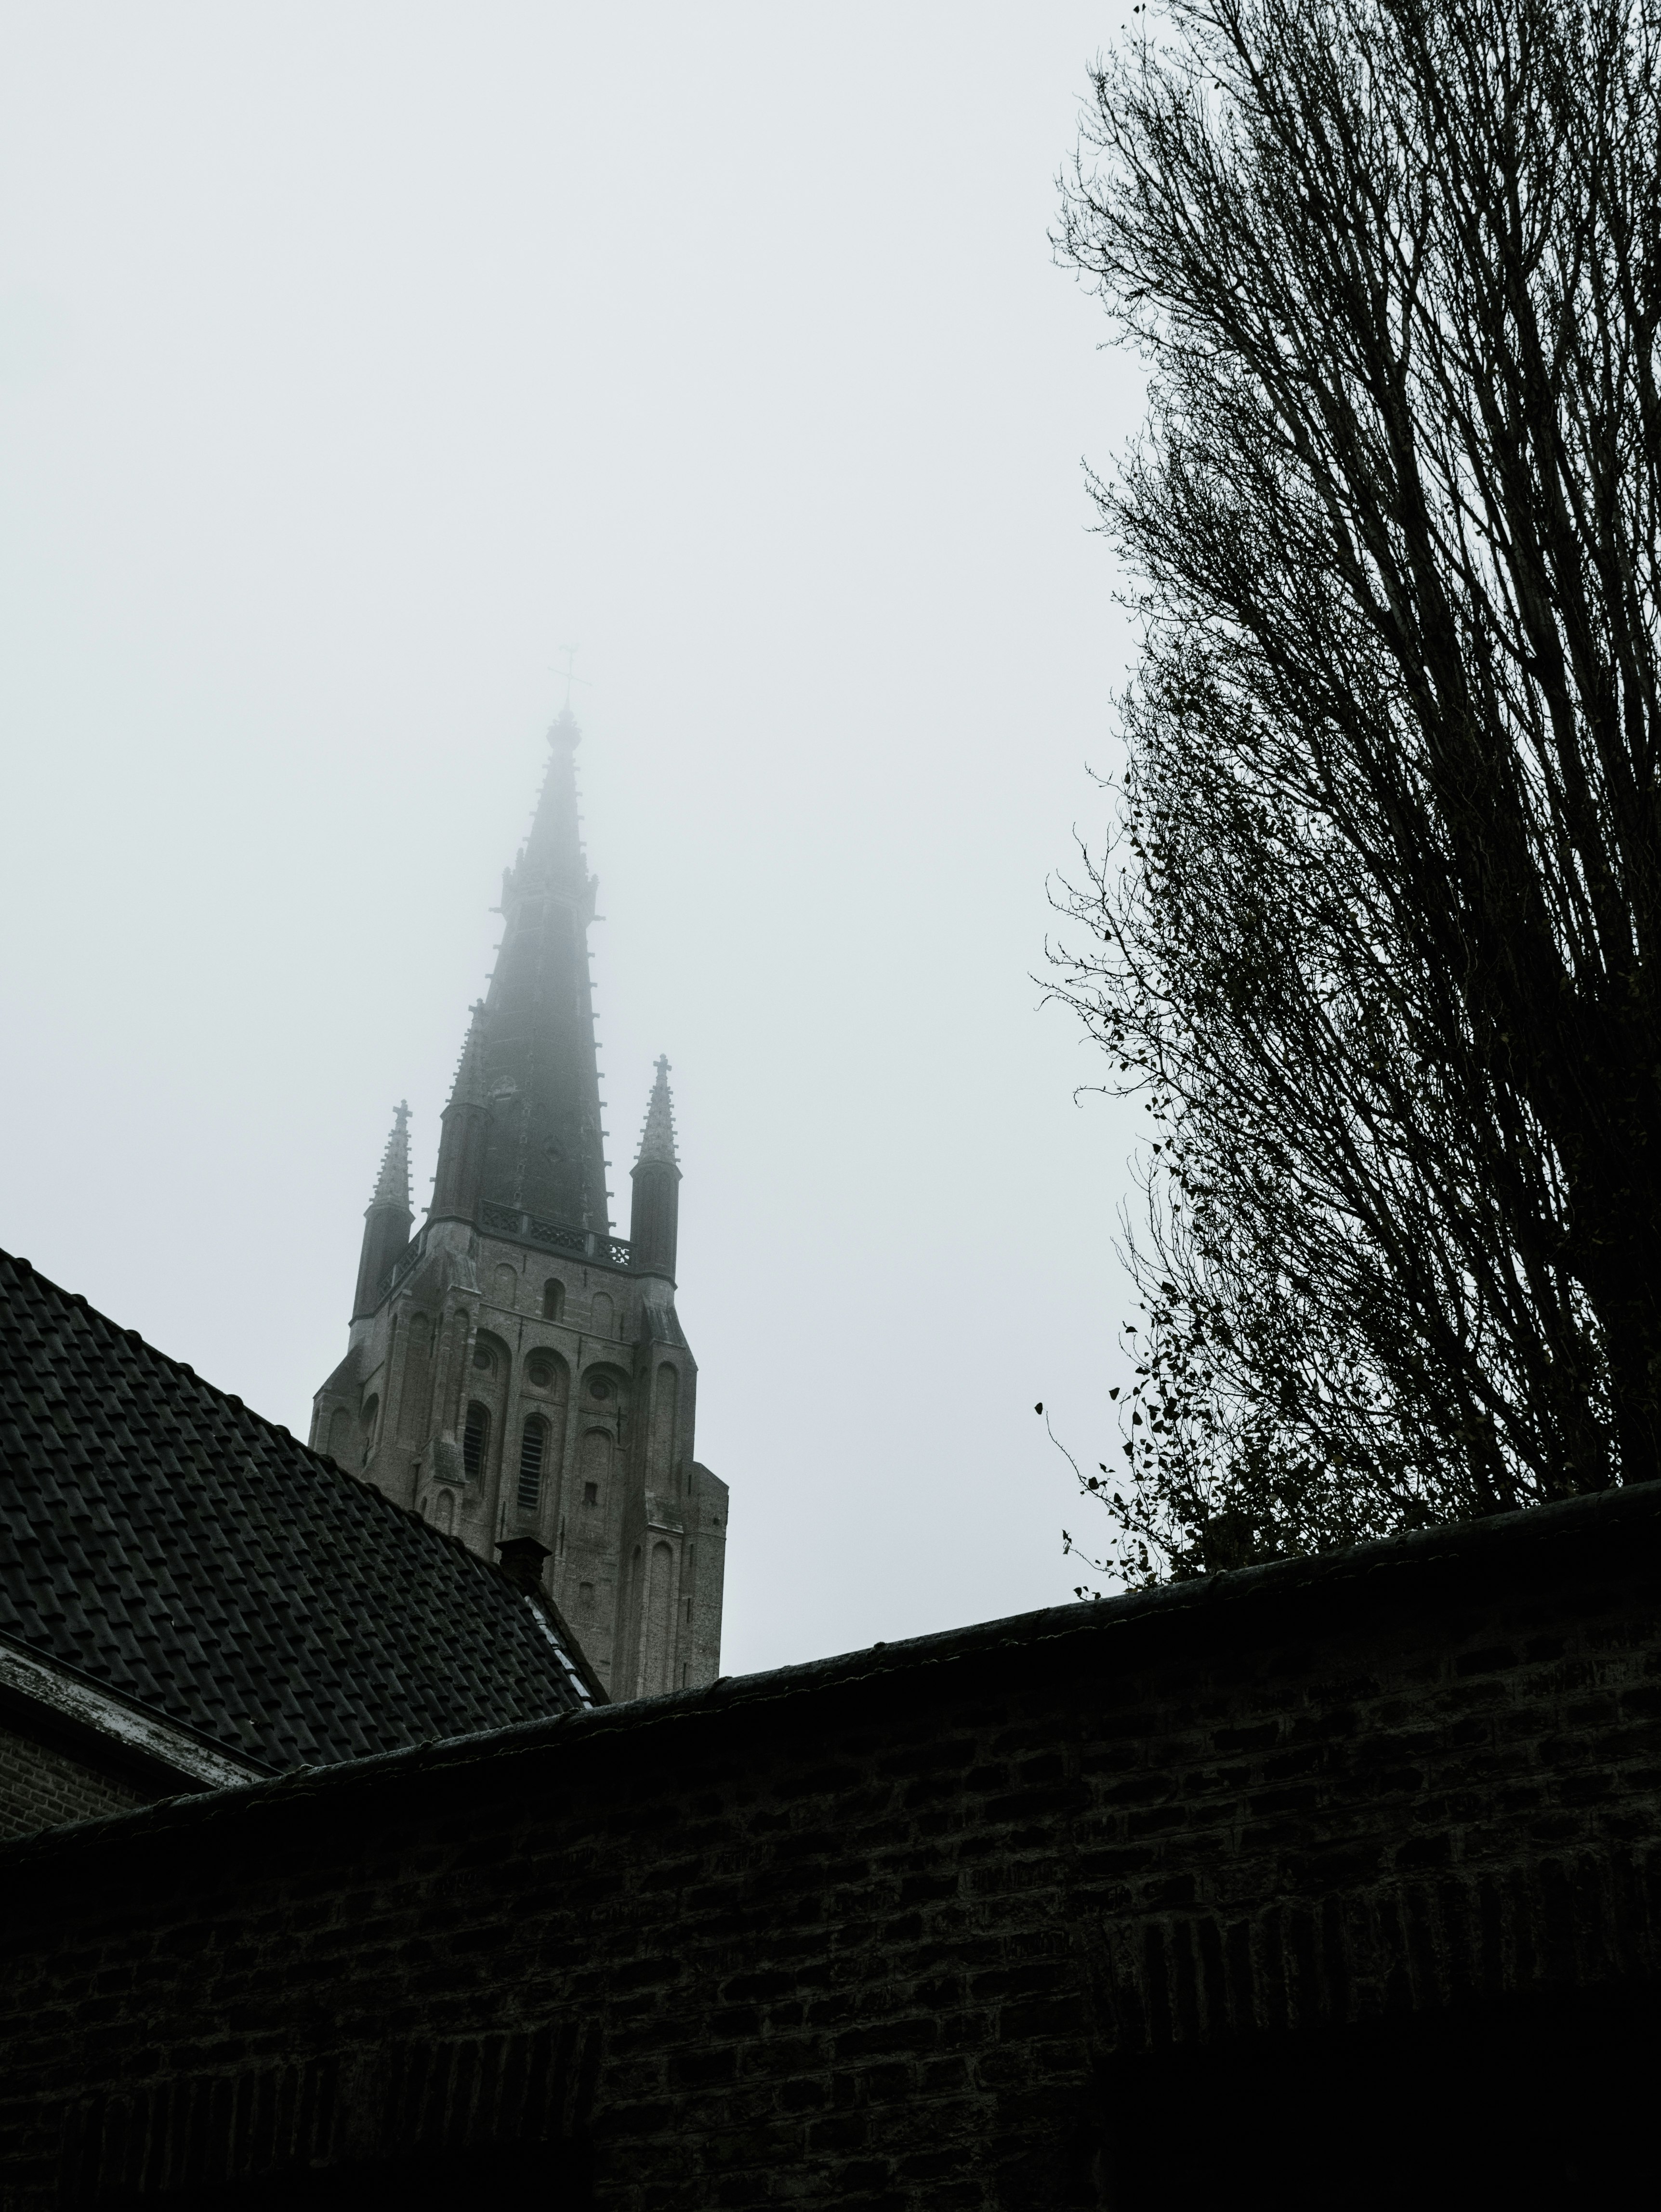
x=657 y=1138
x=393 y=1184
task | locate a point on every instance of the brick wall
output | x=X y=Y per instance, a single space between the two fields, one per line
x=42 y=1787
x=1340 y=1876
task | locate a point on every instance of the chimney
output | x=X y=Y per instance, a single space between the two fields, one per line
x=522 y=1562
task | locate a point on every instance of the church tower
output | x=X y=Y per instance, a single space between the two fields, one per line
x=514 y=1371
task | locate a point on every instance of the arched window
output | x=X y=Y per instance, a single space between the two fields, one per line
x=600 y=1314
x=595 y=1464
x=340 y=1428
x=475 y=1437
x=507 y=1286
x=547 y=1371
x=553 y=1300
x=532 y=1448
x=366 y=1421
x=444 y=1513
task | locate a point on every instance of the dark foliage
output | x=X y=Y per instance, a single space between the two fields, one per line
x=1379 y=927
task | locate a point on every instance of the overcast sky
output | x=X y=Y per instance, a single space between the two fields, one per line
x=354 y=360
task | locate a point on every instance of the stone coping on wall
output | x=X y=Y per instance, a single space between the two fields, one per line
x=1611 y=1529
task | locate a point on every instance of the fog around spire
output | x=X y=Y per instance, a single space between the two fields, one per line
x=531 y=1056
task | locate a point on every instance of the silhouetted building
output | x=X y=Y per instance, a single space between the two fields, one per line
x=515 y=1372
x=1330 y=1883
x=190 y=1598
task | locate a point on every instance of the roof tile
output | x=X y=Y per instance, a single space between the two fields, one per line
x=157 y=1536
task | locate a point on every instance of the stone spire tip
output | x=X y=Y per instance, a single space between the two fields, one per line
x=657 y=1138
x=393 y=1184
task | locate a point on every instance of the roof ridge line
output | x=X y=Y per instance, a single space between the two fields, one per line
x=1451 y=1544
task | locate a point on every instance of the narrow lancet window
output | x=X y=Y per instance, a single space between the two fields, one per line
x=530 y=1448
x=475 y=1436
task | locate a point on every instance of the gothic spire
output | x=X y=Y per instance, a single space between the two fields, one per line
x=468 y=1088
x=654 y=1219
x=386 y=1218
x=657 y=1138
x=538 y=1069
x=392 y=1185
x=463 y=1138
x=552 y=855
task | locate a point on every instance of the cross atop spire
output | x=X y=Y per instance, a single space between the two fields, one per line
x=657 y=1138
x=569 y=672
x=392 y=1185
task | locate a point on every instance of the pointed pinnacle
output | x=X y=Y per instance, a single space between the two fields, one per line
x=393 y=1184
x=468 y=1090
x=657 y=1138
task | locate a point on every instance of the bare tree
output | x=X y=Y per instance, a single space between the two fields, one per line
x=1379 y=928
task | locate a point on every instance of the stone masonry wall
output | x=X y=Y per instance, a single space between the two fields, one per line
x=1043 y=1913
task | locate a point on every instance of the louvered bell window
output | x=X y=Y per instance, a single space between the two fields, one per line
x=532 y=1447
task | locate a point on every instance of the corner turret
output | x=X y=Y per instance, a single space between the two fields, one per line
x=460 y=1179
x=654 y=1218
x=387 y=1218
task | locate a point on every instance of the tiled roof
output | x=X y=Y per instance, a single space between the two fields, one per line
x=160 y=1538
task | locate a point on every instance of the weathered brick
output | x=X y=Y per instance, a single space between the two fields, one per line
x=889 y=1941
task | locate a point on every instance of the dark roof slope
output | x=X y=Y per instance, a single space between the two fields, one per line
x=161 y=1539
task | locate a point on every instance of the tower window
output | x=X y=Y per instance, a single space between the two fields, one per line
x=475 y=1436
x=591 y=1493
x=542 y=1370
x=531 y=1446
x=553 y=1300
x=481 y=1358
